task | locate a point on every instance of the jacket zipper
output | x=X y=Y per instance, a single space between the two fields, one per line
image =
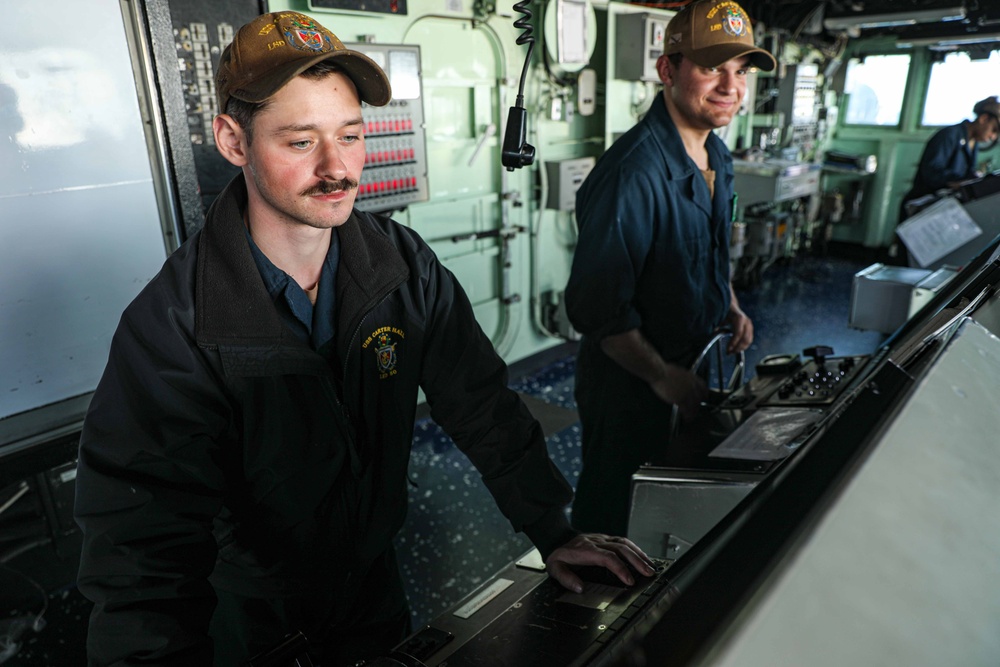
x=350 y=347
x=357 y=330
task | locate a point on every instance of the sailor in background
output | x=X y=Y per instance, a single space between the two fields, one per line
x=949 y=158
x=951 y=155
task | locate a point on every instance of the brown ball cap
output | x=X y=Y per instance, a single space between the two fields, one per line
x=275 y=48
x=988 y=106
x=711 y=32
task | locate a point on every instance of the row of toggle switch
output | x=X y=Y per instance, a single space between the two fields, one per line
x=393 y=156
x=387 y=187
x=388 y=126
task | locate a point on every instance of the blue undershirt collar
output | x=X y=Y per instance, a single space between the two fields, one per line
x=312 y=324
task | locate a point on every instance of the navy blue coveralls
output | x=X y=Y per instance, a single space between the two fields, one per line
x=653 y=254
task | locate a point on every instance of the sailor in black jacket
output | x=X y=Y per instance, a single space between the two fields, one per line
x=243 y=464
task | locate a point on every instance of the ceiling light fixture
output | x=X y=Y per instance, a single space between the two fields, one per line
x=866 y=21
x=945 y=42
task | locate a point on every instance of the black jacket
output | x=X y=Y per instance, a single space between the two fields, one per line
x=220 y=452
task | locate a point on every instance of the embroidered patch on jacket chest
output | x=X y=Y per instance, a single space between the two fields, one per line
x=385 y=341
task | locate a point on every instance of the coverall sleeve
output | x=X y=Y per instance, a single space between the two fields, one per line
x=466 y=386
x=148 y=486
x=616 y=215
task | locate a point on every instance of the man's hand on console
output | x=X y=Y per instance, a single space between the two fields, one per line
x=616 y=554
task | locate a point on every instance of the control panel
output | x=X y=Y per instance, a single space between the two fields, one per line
x=785 y=380
x=797 y=93
x=797 y=101
x=775 y=180
x=564 y=178
x=817 y=383
x=639 y=39
x=379 y=6
x=201 y=31
x=522 y=616
x=395 y=172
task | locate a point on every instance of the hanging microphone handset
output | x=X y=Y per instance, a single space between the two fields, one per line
x=515 y=152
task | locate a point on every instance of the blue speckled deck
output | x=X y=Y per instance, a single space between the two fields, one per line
x=803 y=304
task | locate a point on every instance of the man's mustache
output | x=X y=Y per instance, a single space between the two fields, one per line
x=328 y=187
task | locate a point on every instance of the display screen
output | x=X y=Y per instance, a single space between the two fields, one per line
x=404 y=74
x=380 y=6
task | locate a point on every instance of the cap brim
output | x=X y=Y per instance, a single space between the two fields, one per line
x=715 y=55
x=371 y=82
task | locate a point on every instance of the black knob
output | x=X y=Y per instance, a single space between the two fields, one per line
x=819 y=353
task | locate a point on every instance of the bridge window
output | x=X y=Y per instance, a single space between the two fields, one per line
x=956 y=84
x=875 y=87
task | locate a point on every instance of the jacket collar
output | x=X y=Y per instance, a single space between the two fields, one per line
x=232 y=304
x=371 y=266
